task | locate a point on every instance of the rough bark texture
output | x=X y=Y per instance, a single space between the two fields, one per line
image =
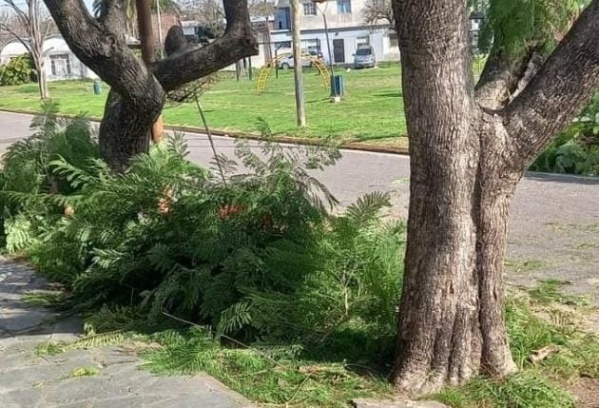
x=469 y=148
x=138 y=92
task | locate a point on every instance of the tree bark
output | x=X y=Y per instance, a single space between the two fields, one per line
x=138 y=92
x=468 y=151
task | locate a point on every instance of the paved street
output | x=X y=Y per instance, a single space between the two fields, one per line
x=554 y=233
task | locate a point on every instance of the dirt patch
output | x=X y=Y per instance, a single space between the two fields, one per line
x=586 y=391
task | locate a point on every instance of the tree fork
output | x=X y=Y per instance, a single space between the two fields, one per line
x=138 y=92
x=467 y=156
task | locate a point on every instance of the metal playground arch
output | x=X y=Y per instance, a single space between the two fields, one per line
x=265 y=71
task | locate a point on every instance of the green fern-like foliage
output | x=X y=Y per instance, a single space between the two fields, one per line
x=515 y=25
x=31 y=192
x=254 y=253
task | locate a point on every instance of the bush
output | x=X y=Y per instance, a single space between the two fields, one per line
x=26 y=178
x=19 y=70
x=575 y=151
x=169 y=236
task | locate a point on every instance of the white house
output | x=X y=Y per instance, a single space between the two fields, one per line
x=347 y=30
x=59 y=61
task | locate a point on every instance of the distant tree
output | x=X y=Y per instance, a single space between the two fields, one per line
x=377 y=12
x=31 y=19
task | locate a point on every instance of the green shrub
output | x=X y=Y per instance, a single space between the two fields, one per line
x=18 y=71
x=26 y=177
x=575 y=151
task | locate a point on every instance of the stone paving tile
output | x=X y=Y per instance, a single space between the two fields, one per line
x=28 y=380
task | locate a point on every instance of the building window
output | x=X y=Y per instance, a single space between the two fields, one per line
x=311 y=44
x=283 y=19
x=60 y=65
x=362 y=41
x=309 y=9
x=282 y=44
x=344 y=6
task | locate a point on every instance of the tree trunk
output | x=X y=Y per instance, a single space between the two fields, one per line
x=125 y=127
x=467 y=155
x=452 y=310
x=43 y=83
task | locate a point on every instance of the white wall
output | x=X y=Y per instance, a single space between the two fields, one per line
x=55 y=49
x=377 y=37
x=10 y=50
x=335 y=19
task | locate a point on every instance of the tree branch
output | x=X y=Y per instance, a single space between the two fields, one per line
x=557 y=93
x=101 y=49
x=500 y=77
x=238 y=42
x=114 y=16
x=17 y=37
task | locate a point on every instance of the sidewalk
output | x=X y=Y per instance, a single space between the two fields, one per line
x=81 y=378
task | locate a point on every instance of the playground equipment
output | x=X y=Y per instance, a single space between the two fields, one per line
x=265 y=71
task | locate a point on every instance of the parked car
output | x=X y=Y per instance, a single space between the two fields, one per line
x=364 y=57
x=287 y=62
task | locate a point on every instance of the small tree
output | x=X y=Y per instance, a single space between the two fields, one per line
x=36 y=24
x=138 y=93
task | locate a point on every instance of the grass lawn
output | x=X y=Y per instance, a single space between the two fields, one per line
x=372 y=110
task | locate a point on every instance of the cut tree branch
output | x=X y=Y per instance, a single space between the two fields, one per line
x=557 y=93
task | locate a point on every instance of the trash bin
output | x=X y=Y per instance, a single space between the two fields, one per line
x=97 y=87
x=337 y=86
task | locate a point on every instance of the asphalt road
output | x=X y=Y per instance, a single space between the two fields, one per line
x=554 y=223
x=356 y=174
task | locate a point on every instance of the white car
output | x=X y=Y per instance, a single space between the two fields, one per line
x=287 y=61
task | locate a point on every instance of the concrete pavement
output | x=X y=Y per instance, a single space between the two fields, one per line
x=101 y=377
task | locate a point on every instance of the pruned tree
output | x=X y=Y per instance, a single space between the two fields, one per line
x=469 y=147
x=137 y=93
x=377 y=12
x=31 y=20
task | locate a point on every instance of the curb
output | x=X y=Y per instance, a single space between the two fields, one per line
x=237 y=135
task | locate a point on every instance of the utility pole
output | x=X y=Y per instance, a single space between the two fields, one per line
x=159 y=17
x=146 y=38
x=300 y=105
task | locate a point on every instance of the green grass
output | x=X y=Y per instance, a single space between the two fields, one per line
x=289 y=375
x=372 y=110
x=50 y=300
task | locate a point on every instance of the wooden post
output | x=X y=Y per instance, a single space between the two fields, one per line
x=297 y=64
x=146 y=38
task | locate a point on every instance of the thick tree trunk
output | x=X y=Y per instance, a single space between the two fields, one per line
x=125 y=127
x=452 y=309
x=467 y=155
